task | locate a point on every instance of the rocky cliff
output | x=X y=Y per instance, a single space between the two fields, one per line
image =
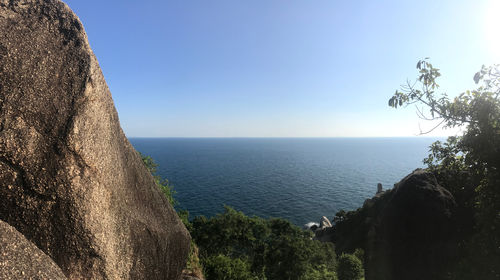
x=407 y=232
x=70 y=181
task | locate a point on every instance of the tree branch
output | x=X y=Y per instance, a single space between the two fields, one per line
x=432 y=129
x=410 y=89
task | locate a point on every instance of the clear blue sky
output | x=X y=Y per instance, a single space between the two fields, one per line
x=281 y=68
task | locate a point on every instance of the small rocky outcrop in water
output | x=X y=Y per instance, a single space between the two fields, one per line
x=70 y=181
x=406 y=232
x=21 y=259
x=324 y=223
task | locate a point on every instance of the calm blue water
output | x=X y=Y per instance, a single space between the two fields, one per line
x=300 y=179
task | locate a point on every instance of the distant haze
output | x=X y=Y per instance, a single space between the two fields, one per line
x=269 y=68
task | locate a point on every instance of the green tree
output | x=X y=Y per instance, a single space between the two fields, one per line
x=274 y=248
x=321 y=272
x=468 y=164
x=349 y=267
x=220 y=267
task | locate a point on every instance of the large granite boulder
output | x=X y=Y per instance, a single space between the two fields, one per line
x=407 y=232
x=21 y=259
x=413 y=235
x=70 y=181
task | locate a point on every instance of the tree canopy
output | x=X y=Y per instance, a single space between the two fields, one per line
x=267 y=248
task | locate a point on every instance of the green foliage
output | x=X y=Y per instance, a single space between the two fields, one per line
x=350 y=267
x=360 y=254
x=274 y=248
x=163 y=184
x=223 y=267
x=469 y=165
x=321 y=272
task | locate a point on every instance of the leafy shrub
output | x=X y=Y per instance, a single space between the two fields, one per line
x=221 y=267
x=321 y=272
x=349 y=267
x=360 y=254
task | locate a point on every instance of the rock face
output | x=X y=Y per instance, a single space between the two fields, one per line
x=21 y=259
x=70 y=181
x=412 y=238
x=406 y=232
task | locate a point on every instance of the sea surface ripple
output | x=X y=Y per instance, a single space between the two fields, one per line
x=299 y=179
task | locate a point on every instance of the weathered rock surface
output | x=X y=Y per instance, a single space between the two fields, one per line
x=70 y=181
x=21 y=259
x=406 y=232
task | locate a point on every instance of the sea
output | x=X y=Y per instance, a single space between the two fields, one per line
x=299 y=179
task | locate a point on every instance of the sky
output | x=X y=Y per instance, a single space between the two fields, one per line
x=276 y=68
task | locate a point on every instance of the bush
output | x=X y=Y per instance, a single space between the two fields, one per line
x=274 y=248
x=221 y=267
x=320 y=273
x=360 y=254
x=349 y=267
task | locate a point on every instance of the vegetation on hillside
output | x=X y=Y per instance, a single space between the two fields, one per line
x=350 y=267
x=467 y=165
x=234 y=246
x=264 y=248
